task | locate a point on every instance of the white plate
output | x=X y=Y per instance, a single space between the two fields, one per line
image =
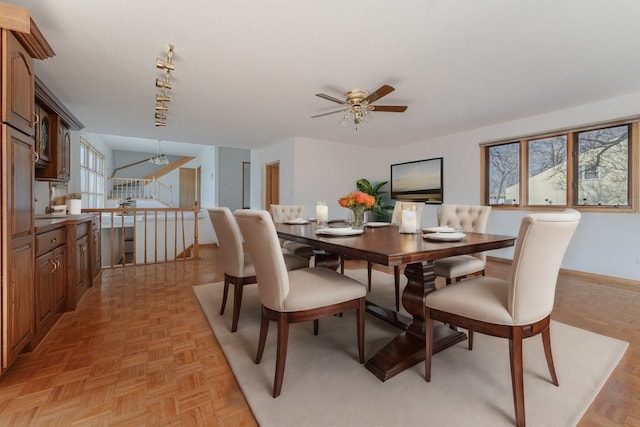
x=439 y=229
x=346 y=231
x=444 y=237
x=377 y=224
x=297 y=221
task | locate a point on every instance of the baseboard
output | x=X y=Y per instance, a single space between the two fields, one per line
x=601 y=279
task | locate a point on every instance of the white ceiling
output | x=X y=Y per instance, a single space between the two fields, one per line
x=246 y=71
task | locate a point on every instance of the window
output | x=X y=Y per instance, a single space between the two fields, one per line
x=590 y=168
x=504 y=174
x=91 y=175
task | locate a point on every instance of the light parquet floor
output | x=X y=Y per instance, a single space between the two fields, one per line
x=138 y=351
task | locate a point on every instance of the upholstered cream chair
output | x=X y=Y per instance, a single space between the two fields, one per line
x=396 y=217
x=294 y=296
x=516 y=308
x=238 y=266
x=283 y=213
x=466 y=218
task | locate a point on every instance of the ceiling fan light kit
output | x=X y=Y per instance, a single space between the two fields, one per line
x=357 y=106
x=164 y=84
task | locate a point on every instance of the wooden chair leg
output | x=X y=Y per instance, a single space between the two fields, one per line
x=237 y=302
x=264 y=328
x=396 y=282
x=369 y=268
x=470 y=338
x=316 y=326
x=546 y=342
x=225 y=293
x=281 y=354
x=341 y=264
x=517 y=375
x=428 y=340
x=360 y=311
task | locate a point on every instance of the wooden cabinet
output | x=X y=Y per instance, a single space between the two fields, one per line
x=79 y=279
x=17 y=198
x=83 y=280
x=17 y=97
x=57 y=167
x=56 y=163
x=18 y=242
x=94 y=249
x=50 y=280
x=42 y=135
x=17 y=90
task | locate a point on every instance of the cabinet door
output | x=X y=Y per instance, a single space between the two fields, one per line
x=65 y=153
x=18 y=298
x=95 y=252
x=42 y=135
x=19 y=183
x=60 y=279
x=17 y=84
x=82 y=266
x=45 y=273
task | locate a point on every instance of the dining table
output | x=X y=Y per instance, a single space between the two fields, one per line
x=385 y=245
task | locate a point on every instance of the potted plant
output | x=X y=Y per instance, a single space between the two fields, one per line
x=375 y=190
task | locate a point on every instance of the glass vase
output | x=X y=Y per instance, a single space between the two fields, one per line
x=357 y=221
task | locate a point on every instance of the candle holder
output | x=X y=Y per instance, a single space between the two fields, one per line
x=322 y=214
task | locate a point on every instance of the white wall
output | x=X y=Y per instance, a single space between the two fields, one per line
x=230 y=176
x=312 y=170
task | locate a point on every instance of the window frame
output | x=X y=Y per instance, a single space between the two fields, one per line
x=572 y=169
x=92 y=169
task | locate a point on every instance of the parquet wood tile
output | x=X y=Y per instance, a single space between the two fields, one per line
x=138 y=351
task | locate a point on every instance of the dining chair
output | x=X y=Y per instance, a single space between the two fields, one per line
x=284 y=213
x=321 y=258
x=238 y=266
x=294 y=296
x=516 y=308
x=396 y=217
x=466 y=218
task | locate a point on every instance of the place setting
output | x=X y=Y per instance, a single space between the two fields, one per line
x=442 y=234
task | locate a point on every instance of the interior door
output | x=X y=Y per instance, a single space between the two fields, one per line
x=189 y=187
x=272 y=190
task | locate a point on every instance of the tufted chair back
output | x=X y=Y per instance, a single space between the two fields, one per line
x=466 y=218
x=282 y=213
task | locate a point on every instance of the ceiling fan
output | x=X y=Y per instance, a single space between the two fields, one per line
x=358 y=103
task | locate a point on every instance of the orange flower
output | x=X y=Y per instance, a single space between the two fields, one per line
x=357 y=199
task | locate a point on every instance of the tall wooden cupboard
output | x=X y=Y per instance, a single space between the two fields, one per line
x=20 y=43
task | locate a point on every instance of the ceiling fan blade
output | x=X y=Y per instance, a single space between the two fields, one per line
x=387 y=108
x=374 y=96
x=330 y=98
x=326 y=114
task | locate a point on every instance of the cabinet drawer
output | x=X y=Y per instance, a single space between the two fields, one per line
x=82 y=229
x=49 y=240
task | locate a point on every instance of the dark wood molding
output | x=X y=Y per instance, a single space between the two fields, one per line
x=45 y=97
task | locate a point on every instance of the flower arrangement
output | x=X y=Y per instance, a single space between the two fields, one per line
x=358 y=202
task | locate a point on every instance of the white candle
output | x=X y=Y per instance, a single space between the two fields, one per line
x=408 y=222
x=322 y=213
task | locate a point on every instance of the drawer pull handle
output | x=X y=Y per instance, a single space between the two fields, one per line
x=55 y=239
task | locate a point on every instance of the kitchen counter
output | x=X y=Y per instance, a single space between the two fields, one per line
x=49 y=221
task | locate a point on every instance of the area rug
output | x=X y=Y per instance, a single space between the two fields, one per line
x=324 y=385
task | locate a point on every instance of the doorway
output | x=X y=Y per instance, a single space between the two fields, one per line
x=273 y=184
